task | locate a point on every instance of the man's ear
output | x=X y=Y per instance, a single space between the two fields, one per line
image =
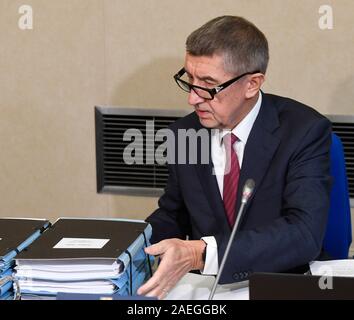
x=254 y=84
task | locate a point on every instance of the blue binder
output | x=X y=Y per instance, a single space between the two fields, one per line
x=7 y=295
x=5 y=282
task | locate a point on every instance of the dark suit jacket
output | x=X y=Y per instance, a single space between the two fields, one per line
x=283 y=225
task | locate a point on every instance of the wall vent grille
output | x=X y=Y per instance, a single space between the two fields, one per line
x=113 y=174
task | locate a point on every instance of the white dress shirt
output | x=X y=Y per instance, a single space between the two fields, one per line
x=218 y=155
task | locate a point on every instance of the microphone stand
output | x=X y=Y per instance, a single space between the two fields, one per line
x=247 y=191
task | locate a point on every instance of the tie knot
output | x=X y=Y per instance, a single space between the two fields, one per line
x=230 y=139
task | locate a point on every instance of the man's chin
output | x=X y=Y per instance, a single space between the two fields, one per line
x=208 y=123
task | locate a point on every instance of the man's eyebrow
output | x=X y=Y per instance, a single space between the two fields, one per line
x=206 y=78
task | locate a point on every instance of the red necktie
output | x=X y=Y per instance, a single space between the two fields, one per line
x=231 y=176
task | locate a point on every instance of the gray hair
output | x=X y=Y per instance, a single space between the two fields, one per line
x=243 y=46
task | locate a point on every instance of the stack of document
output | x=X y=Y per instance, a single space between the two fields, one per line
x=88 y=256
x=333 y=268
x=15 y=236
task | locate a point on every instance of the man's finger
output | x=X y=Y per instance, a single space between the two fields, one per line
x=158 y=281
x=147 y=287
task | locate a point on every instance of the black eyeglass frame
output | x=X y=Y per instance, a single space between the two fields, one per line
x=212 y=91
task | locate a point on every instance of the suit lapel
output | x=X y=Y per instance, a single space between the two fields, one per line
x=211 y=190
x=261 y=145
x=209 y=183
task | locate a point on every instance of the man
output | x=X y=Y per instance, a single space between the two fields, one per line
x=280 y=143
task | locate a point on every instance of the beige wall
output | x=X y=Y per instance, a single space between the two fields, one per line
x=83 y=53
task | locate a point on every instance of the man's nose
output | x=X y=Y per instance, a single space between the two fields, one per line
x=194 y=99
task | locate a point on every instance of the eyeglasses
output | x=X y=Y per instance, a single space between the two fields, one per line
x=205 y=93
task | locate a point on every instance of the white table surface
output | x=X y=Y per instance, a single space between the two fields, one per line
x=198 y=287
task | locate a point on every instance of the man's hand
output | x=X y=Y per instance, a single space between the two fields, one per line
x=177 y=258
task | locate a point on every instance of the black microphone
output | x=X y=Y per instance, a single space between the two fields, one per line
x=246 y=194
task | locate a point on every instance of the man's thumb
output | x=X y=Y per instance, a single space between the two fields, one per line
x=155 y=249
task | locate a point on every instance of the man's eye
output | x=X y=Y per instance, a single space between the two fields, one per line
x=210 y=84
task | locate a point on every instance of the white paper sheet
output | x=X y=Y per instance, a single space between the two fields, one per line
x=335 y=268
x=81 y=243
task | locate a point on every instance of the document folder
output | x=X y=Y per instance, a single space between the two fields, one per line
x=76 y=255
x=16 y=235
